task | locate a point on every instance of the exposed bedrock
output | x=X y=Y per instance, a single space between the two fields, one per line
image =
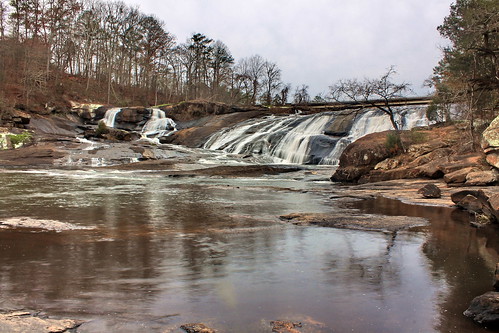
x=431 y=153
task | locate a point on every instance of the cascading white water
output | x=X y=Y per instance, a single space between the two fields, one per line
x=158 y=125
x=375 y=121
x=110 y=116
x=295 y=145
x=300 y=139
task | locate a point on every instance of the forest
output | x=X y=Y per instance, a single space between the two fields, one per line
x=53 y=51
x=112 y=53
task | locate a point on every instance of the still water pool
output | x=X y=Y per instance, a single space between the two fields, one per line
x=158 y=252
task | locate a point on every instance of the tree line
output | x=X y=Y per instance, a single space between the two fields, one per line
x=468 y=73
x=126 y=56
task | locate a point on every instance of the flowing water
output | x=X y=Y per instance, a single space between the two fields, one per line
x=110 y=116
x=158 y=125
x=302 y=139
x=157 y=252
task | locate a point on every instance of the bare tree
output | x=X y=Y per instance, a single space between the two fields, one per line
x=271 y=80
x=301 y=95
x=249 y=72
x=376 y=93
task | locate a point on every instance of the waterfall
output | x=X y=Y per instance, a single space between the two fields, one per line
x=110 y=116
x=301 y=139
x=158 y=125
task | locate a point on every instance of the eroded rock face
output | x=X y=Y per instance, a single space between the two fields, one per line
x=484 y=309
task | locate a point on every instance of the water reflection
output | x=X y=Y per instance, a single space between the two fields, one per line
x=169 y=251
x=461 y=256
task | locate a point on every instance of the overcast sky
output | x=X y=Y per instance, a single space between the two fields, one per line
x=317 y=42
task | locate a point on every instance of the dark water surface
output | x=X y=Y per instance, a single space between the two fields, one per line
x=168 y=251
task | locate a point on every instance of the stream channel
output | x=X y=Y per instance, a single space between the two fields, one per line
x=148 y=253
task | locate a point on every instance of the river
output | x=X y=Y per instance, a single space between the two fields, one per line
x=155 y=252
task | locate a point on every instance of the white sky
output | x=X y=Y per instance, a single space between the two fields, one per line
x=317 y=42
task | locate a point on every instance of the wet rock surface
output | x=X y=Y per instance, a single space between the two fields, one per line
x=197 y=328
x=478 y=203
x=17 y=321
x=444 y=153
x=280 y=326
x=484 y=309
x=38 y=224
x=345 y=219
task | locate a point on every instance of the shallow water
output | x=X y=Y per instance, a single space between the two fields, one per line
x=167 y=251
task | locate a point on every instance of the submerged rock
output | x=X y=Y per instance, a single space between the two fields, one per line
x=28 y=321
x=31 y=223
x=348 y=220
x=484 y=309
x=280 y=326
x=197 y=328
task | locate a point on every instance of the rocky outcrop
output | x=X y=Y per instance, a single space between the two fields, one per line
x=198 y=131
x=341 y=125
x=14 y=118
x=484 y=309
x=361 y=156
x=443 y=153
x=29 y=321
x=483 y=206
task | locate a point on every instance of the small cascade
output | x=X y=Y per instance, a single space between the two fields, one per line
x=158 y=125
x=110 y=116
x=301 y=139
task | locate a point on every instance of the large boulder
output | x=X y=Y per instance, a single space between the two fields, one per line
x=430 y=191
x=481 y=178
x=458 y=176
x=362 y=156
x=478 y=203
x=490 y=137
x=484 y=309
x=490 y=143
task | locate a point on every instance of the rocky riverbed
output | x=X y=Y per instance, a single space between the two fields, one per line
x=440 y=157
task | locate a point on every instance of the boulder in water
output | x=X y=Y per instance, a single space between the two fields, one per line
x=484 y=309
x=197 y=328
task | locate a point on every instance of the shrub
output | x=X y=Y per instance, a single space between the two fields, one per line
x=101 y=129
x=19 y=140
x=393 y=143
